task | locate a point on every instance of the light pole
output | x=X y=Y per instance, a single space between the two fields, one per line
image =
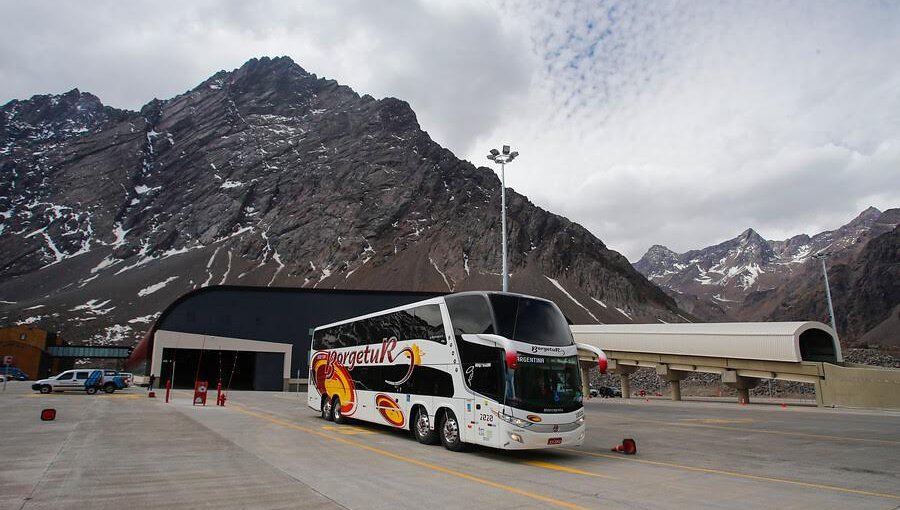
x=822 y=256
x=503 y=158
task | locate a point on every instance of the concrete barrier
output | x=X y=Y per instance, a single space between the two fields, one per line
x=860 y=386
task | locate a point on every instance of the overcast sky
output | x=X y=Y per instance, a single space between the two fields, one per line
x=659 y=122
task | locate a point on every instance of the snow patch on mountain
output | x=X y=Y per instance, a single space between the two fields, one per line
x=564 y=291
x=146 y=291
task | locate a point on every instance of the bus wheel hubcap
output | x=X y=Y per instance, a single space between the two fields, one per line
x=451 y=432
x=422 y=423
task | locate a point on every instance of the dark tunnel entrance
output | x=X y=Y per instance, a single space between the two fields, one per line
x=243 y=370
x=817 y=345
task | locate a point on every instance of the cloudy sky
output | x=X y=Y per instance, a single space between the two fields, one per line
x=648 y=122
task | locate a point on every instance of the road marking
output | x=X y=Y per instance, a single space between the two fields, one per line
x=767 y=431
x=69 y=394
x=738 y=475
x=717 y=421
x=564 y=469
x=347 y=430
x=410 y=460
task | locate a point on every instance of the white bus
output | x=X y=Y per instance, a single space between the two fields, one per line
x=489 y=368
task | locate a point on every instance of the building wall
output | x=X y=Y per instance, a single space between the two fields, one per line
x=27 y=345
x=280 y=315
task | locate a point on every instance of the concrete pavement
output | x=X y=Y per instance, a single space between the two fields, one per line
x=267 y=450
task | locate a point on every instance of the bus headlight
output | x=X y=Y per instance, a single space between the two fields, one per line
x=580 y=421
x=515 y=437
x=518 y=422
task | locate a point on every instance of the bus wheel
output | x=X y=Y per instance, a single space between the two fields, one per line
x=421 y=426
x=450 y=434
x=327 y=409
x=339 y=417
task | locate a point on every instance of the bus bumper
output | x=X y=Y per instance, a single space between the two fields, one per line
x=515 y=438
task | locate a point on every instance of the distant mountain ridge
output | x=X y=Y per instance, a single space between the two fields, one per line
x=266 y=175
x=750 y=278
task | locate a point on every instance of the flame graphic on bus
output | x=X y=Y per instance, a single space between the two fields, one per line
x=415 y=358
x=389 y=410
x=334 y=379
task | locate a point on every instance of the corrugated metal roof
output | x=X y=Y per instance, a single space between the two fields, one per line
x=773 y=341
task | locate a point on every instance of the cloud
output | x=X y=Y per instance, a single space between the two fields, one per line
x=684 y=124
x=647 y=122
x=452 y=61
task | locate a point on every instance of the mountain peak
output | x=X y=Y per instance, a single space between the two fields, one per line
x=866 y=218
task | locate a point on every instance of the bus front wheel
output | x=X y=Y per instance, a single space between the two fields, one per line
x=421 y=426
x=450 y=433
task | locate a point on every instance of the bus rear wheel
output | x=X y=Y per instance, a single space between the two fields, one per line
x=421 y=427
x=327 y=409
x=339 y=417
x=450 y=433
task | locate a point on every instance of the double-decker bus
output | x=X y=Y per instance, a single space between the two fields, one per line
x=489 y=368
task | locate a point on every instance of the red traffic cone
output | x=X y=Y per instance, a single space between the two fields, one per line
x=152 y=394
x=628 y=447
x=48 y=415
x=783 y=405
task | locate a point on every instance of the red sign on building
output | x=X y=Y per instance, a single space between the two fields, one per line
x=200 y=390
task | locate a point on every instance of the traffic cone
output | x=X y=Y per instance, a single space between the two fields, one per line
x=628 y=447
x=783 y=405
x=152 y=394
x=48 y=415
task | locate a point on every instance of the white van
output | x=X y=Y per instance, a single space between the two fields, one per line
x=83 y=379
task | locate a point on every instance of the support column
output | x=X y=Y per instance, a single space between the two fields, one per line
x=623 y=371
x=586 y=377
x=743 y=385
x=673 y=377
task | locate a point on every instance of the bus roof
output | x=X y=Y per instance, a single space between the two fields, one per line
x=432 y=301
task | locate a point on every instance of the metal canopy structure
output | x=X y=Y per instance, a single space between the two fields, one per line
x=88 y=351
x=742 y=353
x=770 y=341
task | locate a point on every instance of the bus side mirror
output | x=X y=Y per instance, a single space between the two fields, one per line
x=512 y=359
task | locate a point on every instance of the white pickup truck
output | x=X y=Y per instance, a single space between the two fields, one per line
x=89 y=380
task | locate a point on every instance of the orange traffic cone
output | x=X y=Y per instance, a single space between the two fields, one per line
x=628 y=447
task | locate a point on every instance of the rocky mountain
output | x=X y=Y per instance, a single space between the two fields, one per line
x=750 y=278
x=266 y=175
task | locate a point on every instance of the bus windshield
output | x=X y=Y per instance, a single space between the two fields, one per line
x=544 y=384
x=530 y=321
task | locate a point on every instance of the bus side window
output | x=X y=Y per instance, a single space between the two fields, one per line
x=470 y=315
x=429 y=323
x=482 y=368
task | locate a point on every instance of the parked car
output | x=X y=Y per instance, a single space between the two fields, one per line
x=12 y=374
x=89 y=380
x=127 y=378
x=606 y=392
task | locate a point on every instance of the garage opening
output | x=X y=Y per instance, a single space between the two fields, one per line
x=252 y=370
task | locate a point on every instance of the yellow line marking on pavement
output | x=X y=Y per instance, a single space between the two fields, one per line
x=410 y=460
x=347 y=430
x=716 y=421
x=738 y=475
x=564 y=469
x=70 y=394
x=774 y=432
